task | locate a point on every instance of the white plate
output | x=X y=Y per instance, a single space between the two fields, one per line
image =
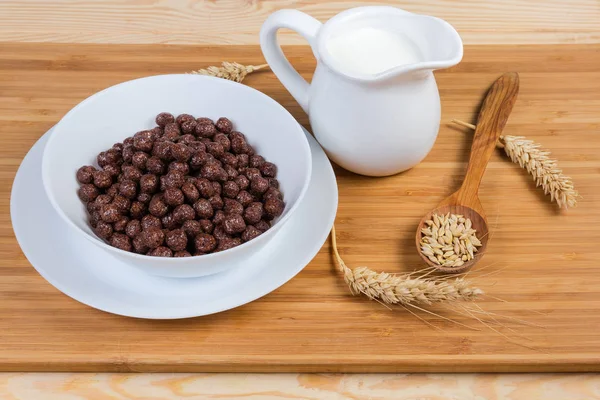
x=88 y=274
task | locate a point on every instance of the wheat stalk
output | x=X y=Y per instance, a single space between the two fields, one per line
x=404 y=289
x=230 y=70
x=544 y=170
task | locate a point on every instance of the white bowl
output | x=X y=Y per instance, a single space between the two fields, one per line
x=120 y=111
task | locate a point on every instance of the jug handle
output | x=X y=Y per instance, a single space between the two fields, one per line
x=306 y=26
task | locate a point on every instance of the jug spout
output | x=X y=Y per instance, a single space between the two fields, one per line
x=378 y=42
x=439 y=44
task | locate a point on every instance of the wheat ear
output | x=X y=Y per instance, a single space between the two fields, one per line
x=404 y=289
x=544 y=170
x=230 y=70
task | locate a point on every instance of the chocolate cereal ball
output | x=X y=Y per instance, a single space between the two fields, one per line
x=155 y=165
x=182 y=167
x=161 y=251
x=207 y=225
x=256 y=161
x=181 y=118
x=164 y=118
x=250 y=233
x=205 y=187
x=187 y=139
x=217 y=187
x=85 y=174
x=218 y=218
x=259 y=185
x=230 y=189
x=172 y=131
x=199 y=158
x=192 y=227
x=228 y=158
x=239 y=146
x=110 y=213
x=232 y=207
x=182 y=253
x=224 y=125
x=215 y=149
x=268 y=170
x=183 y=213
x=114 y=189
x=120 y=241
x=103 y=229
x=197 y=146
x=94 y=218
x=148 y=183
x=113 y=170
x=232 y=173
x=190 y=192
x=153 y=237
x=176 y=240
x=120 y=225
x=244 y=198
x=233 y=224
x=139 y=246
x=262 y=226
x=131 y=173
x=216 y=202
x=133 y=228
x=242 y=181
x=173 y=196
x=274 y=183
x=162 y=150
x=144 y=198
x=102 y=179
x=203 y=208
x=150 y=221
x=128 y=152
x=272 y=193
x=253 y=213
x=213 y=172
x=188 y=127
x=228 y=243
x=223 y=140
x=205 y=243
x=168 y=222
x=273 y=207
x=138 y=209
x=174 y=179
x=243 y=160
x=128 y=189
x=205 y=130
x=252 y=173
x=204 y=120
x=88 y=192
x=143 y=143
x=139 y=160
x=180 y=152
x=157 y=206
x=122 y=203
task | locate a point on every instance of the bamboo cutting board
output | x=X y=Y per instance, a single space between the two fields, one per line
x=541 y=263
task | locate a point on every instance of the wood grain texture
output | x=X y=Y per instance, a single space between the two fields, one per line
x=545 y=261
x=238 y=21
x=85 y=386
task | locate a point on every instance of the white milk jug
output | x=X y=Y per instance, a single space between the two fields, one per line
x=373 y=102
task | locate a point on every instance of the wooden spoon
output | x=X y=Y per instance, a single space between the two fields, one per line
x=493 y=115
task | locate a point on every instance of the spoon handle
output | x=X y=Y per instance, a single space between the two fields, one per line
x=496 y=108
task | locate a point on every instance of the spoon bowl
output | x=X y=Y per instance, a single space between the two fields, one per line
x=479 y=224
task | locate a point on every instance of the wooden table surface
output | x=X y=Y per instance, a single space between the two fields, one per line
x=211 y=23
